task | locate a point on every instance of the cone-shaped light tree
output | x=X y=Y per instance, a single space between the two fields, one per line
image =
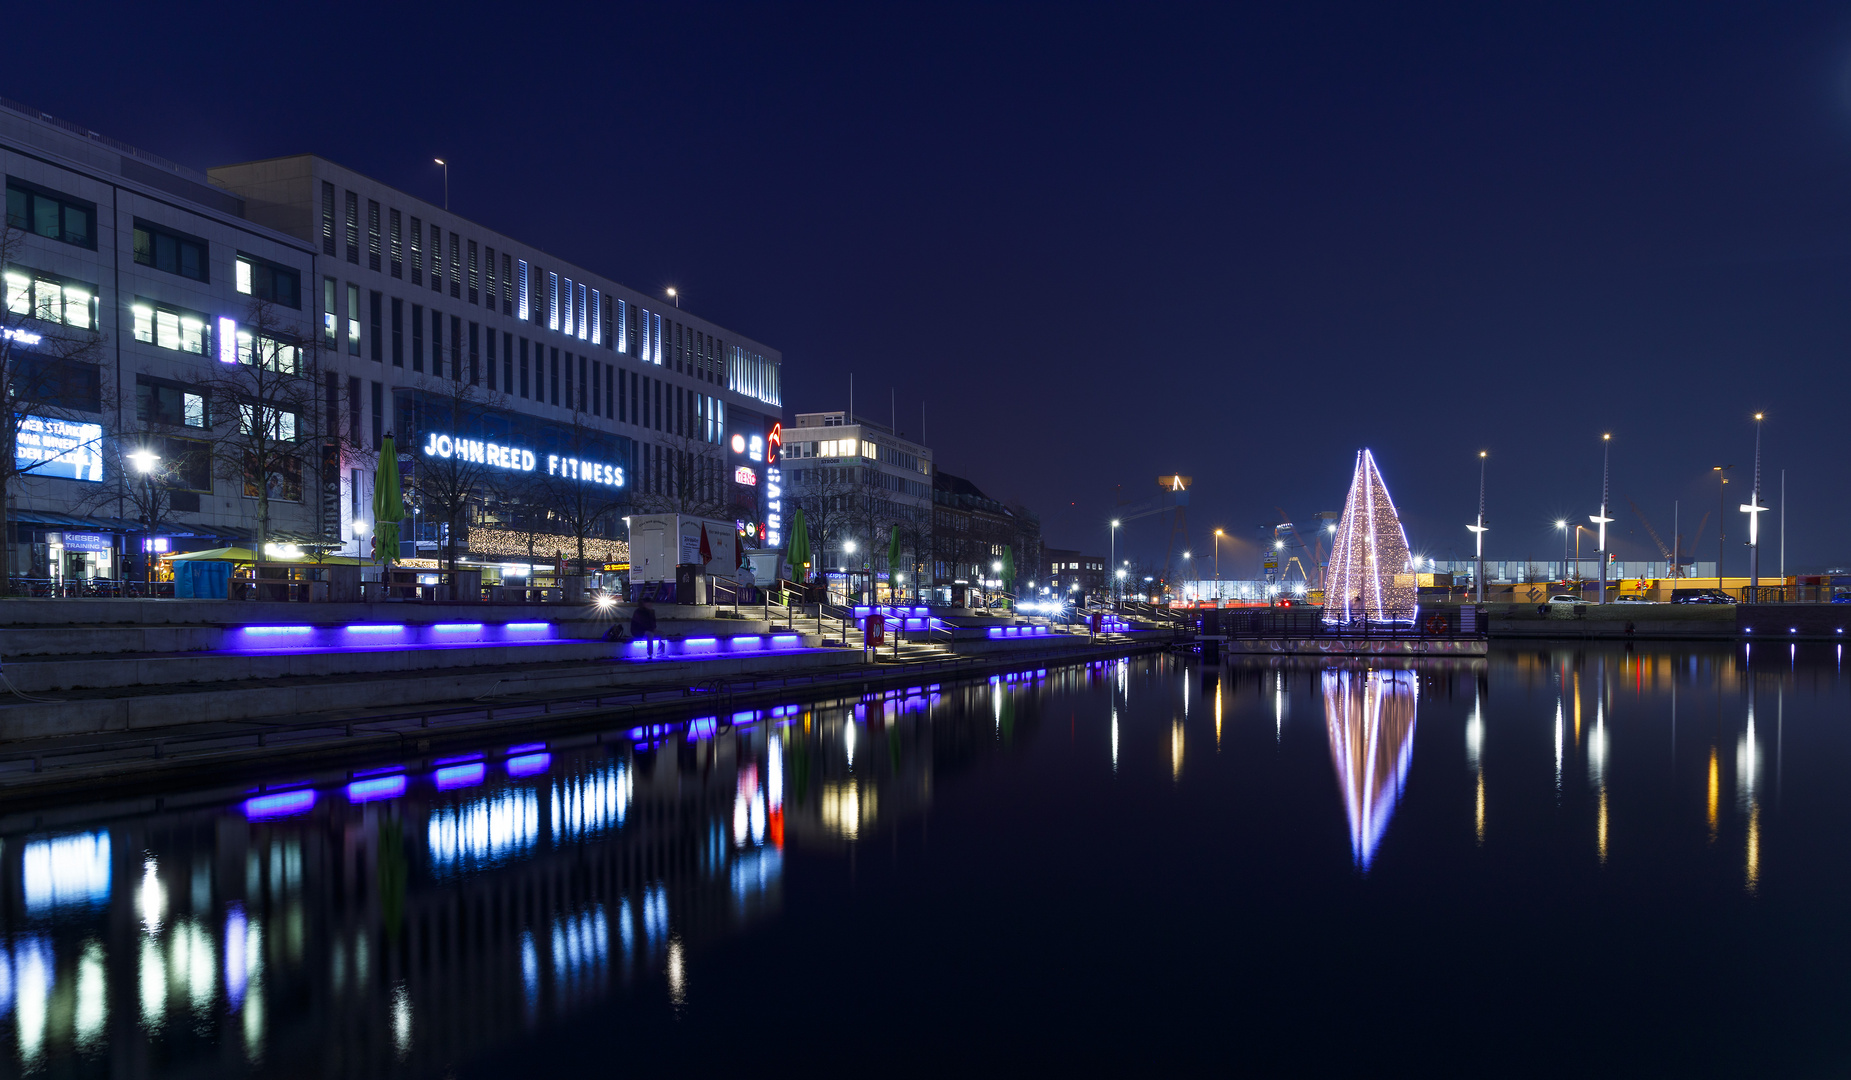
x=1369 y=716
x=1370 y=573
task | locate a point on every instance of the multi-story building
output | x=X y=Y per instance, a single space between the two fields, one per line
x=1069 y=572
x=970 y=533
x=251 y=334
x=855 y=481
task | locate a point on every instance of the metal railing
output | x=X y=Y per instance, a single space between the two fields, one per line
x=1468 y=622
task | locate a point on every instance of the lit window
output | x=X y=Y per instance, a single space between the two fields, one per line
x=568 y=324
x=244 y=276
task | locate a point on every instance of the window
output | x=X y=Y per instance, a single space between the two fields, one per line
x=566 y=323
x=489 y=351
x=475 y=354
x=353 y=320
x=417 y=337
x=623 y=396
x=436 y=342
x=507 y=284
x=51 y=299
x=330 y=322
x=488 y=262
x=456 y=347
x=353 y=411
x=398 y=332
x=372 y=235
x=507 y=363
x=579 y=401
x=396 y=250
x=158 y=401
x=456 y=267
x=555 y=376
x=379 y=415
x=269 y=353
x=61 y=383
x=169 y=327
x=552 y=301
x=524 y=312
x=596 y=382
x=523 y=363
x=376 y=309
x=417 y=252
x=597 y=319
x=175 y=253
x=353 y=228
x=584 y=332
x=475 y=293
x=436 y=255
x=268 y=281
x=265 y=420
x=188 y=467
x=46 y=213
x=327 y=218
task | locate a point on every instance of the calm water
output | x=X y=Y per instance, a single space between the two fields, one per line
x=1611 y=862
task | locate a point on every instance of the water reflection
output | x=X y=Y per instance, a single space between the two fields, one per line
x=1369 y=715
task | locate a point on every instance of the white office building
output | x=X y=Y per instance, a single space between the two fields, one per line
x=855 y=480
x=138 y=285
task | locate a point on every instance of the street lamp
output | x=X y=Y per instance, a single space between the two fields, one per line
x=144 y=461
x=1478 y=531
x=1721 y=502
x=1114 y=533
x=446 y=181
x=360 y=529
x=1218 y=535
x=1606 y=445
x=1753 y=509
x=675 y=296
x=1563 y=526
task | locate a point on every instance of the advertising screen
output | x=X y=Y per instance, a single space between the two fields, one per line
x=63 y=448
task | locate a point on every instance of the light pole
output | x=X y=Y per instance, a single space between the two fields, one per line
x=1606 y=448
x=1563 y=526
x=1191 y=562
x=144 y=461
x=675 y=296
x=1579 y=529
x=1478 y=531
x=1114 y=560
x=360 y=529
x=1721 y=502
x=446 y=181
x=1753 y=509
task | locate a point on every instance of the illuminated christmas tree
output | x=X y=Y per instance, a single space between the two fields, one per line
x=1369 y=716
x=1370 y=575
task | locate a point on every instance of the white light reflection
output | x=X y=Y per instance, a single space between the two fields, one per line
x=192 y=965
x=153 y=985
x=774 y=773
x=152 y=898
x=581 y=950
x=1369 y=717
x=1115 y=739
x=530 y=973
x=587 y=805
x=65 y=871
x=677 y=972
x=1278 y=706
x=1558 y=748
x=92 y=1004
x=401 y=1019
x=848 y=737
x=33 y=972
x=485 y=829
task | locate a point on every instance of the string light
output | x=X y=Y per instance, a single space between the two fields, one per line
x=1371 y=575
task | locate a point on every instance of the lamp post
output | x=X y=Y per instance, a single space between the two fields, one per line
x=1579 y=529
x=1753 y=509
x=1722 y=478
x=1478 y=531
x=1563 y=526
x=360 y=529
x=1606 y=448
x=144 y=461
x=1114 y=559
x=675 y=296
x=446 y=181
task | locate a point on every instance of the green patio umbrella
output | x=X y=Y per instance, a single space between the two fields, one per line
x=388 y=502
x=797 y=548
x=893 y=561
x=1009 y=568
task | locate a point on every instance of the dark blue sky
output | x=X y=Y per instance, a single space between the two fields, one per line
x=1104 y=243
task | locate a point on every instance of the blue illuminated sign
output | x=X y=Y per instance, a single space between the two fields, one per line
x=49 y=446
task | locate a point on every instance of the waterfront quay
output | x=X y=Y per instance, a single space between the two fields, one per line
x=114 y=688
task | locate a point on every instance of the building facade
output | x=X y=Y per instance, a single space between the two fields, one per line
x=207 y=359
x=971 y=531
x=1072 y=574
x=857 y=480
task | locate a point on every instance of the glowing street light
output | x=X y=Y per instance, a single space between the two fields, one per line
x=1563 y=526
x=446 y=181
x=1606 y=450
x=675 y=296
x=1114 y=534
x=1478 y=531
x=1754 y=509
x=1218 y=535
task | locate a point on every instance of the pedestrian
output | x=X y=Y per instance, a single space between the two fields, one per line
x=643 y=626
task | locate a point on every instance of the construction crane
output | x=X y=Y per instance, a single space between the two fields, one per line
x=1173 y=496
x=1670 y=559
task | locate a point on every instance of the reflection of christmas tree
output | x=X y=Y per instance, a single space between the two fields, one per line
x=1369 y=716
x=1370 y=576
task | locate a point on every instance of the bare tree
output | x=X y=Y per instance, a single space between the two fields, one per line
x=452 y=472
x=263 y=412
x=826 y=495
x=578 y=486
x=52 y=378
x=693 y=482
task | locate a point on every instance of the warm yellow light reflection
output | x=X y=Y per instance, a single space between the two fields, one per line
x=1601 y=828
x=1753 y=866
x=1715 y=786
x=1481 y=808
x=1217 y=716
x=1176 y=750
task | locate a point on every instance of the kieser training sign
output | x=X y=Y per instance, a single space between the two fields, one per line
x=517 y=459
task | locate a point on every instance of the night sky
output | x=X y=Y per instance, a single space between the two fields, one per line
x=1105 y=243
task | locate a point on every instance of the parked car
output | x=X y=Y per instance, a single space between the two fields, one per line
x=1634 y=599
x=1704 y=597
x=1567 y=598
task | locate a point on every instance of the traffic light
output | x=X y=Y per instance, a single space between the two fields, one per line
x=375 y=548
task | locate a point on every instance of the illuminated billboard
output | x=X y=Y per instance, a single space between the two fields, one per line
x=62 y=448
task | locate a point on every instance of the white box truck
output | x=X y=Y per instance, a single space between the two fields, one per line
x=661 y=542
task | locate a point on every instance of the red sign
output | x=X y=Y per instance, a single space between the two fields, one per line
x=875 y=627
x=774 y=444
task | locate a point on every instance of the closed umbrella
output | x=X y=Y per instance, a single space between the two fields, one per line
x=797 y=550
x=706 y=546
x=388 y=502
x=1009 y=569
x=893 y=560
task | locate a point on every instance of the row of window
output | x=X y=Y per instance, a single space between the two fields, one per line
x=167 y=327
x=831 y=448
x=476 y=273
x=39 y=295
x=46 y=213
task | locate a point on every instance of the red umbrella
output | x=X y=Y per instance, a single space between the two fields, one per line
x=706 y=546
